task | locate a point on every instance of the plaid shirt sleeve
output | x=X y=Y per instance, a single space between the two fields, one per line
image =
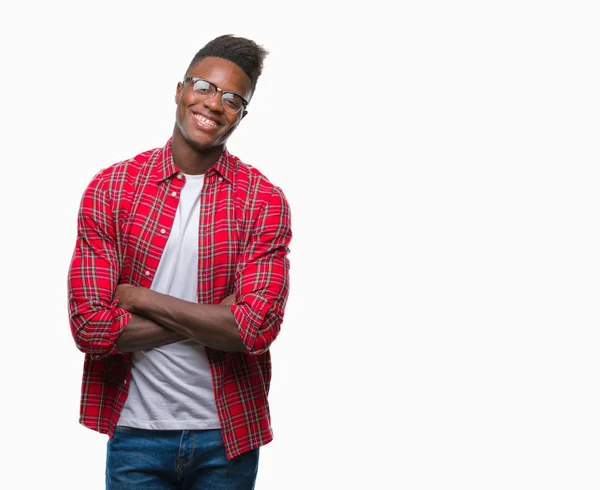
x=262 y=278
x=96 y=321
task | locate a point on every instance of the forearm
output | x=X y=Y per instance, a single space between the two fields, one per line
x=143 y=334
x=211 y=325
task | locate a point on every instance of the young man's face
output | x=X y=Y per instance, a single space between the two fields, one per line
x=205 y=124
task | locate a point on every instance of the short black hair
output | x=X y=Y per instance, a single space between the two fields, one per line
x=245 y=53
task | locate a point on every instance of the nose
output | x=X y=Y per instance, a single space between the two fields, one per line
x=214 y=103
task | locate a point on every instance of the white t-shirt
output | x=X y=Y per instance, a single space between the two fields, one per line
x=171 y=386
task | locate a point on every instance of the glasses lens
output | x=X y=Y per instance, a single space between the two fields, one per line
x=204 y=89
x=232 y=103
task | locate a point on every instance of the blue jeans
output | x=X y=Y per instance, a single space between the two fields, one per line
x=176 y=459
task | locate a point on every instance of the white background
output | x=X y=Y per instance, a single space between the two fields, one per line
x=441 y=161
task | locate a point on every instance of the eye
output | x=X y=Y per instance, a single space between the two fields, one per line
x=202 y=87
x=232 y=101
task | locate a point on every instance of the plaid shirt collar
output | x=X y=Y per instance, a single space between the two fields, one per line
x=165 y=167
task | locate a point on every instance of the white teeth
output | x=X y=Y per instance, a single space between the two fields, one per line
x=206 y=121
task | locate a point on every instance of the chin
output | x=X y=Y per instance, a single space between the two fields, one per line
x=204 y=144
x=199 y=140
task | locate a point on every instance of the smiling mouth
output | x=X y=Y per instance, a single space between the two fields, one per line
x=204 y=121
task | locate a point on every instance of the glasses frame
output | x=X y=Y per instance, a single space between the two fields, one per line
x=223 y=92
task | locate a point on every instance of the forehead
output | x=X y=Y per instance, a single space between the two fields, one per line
x=223 y=73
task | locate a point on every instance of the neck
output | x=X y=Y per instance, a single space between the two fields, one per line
x=190 y=160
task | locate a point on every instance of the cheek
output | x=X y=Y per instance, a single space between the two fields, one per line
x=228 y=131
x=179 y=121
x=179 y=113
x=233 y=122
x=182 y=117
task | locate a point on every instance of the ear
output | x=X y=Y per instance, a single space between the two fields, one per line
x=179 y=92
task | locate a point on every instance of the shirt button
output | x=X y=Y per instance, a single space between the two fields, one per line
x=179 y=176
x=174 y=194
x=147 y=273
x=163 y=231
x=220 y=179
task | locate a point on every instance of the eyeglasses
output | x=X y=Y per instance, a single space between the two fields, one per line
x=204 y=90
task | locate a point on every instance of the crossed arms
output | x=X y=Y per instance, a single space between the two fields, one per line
x=109 y=318
x=158 y=319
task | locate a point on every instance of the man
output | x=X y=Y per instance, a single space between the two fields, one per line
x=177 y=288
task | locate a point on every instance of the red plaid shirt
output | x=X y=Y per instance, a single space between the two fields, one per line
x=123 y=225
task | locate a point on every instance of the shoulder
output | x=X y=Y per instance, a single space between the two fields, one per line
x=130 y=167
x=117 y=175
x=252 y=183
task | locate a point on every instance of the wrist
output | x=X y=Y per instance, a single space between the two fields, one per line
x=138 y=300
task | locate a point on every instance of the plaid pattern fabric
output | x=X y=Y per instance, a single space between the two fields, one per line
x=124 y=220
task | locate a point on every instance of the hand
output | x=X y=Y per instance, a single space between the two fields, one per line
x=229 y=300
x=126 y=294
